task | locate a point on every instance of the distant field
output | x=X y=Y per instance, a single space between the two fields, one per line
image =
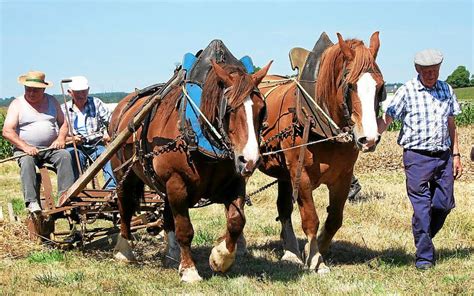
x=465 y=94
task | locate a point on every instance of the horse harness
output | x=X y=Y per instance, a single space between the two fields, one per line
x=186 y=140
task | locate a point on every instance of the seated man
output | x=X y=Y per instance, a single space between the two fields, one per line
x=35 y=121
x=89 y=119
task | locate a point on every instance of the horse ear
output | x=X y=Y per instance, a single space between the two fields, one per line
x=374 y=44
x=346 y=50
x=222 y=74
x=258 y=76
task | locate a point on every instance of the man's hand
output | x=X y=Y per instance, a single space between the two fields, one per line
x=59 y=143
x=78 y=139
x=457 y=167
x=106 y=138
x=30 y=150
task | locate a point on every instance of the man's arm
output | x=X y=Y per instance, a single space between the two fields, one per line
x=60 y=141
x=104 y=116
x=9 y=129
x=453 y=134
x=383 y=122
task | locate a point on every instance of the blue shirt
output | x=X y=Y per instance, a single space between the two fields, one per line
x=424 y=114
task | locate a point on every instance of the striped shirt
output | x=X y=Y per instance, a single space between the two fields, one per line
x=424 y=114
x=91 y=122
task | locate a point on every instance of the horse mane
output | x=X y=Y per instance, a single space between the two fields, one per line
x=329 y=78
x=214 y=87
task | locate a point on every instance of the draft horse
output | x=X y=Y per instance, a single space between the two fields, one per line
x=348 y=74
x=185 y=177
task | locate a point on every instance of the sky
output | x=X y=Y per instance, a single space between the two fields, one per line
x=123 y=45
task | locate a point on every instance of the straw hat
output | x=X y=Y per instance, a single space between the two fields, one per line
x=34 y=79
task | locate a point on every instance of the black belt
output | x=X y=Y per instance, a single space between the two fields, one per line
x=428 y=153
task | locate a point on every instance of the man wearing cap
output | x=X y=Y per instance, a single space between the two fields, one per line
x=34 y=121
x=426 y=107
x=89 y=118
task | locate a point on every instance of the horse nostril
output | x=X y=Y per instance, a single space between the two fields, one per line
x=242 y=159
x=362 y=140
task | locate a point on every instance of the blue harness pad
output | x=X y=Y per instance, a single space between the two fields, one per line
x=194 y=92
x=248 y=64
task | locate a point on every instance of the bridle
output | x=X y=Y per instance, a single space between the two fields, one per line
x=225 y=109
x=347 y=101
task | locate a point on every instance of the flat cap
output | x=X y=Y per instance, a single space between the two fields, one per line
x=428 y=57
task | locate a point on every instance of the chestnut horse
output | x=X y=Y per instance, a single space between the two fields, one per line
x=347 y=69
x=186 y=177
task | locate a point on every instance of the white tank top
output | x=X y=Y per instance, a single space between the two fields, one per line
x=35 y=128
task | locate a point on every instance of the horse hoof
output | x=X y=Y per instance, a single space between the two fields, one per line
x=323 y=269
x=189 y=275
x=123 y=251
x=291 y=258
x=318 y=265
x=125 y=258
x=221 y=259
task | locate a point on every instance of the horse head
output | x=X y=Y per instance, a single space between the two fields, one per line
x=364 y=87
x=239 y=112
x=358 y=85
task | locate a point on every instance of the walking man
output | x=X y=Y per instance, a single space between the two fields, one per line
x=426 y=107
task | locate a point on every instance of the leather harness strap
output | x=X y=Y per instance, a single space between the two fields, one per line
x=299 y=168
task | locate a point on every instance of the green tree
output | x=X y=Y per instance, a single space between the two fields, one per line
x=459 y=78
x=472 y=80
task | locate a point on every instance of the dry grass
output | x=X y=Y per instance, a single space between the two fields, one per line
x=371 y=254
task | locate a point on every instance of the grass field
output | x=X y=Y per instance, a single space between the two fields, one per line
x=465 y=94
x=371 y=254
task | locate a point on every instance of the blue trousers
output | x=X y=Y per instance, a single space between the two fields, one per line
x=429 y=182
x=93 y=153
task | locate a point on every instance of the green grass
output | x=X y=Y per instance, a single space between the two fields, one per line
x=46 y=257
x=18 y=205
x=372 y=253
x=465 y=94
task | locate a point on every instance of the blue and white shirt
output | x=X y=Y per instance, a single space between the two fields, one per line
x=91 y=122
x=424 y=114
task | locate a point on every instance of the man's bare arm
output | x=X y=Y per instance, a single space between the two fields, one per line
x=453 y=134
x=383 y=122
x=9 y=129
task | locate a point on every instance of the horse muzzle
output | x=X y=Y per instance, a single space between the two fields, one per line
x=245 y=167
x=365 y=144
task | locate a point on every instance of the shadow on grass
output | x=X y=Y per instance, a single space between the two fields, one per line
x=150 y=252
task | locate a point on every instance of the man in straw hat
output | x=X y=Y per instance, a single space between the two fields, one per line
x=35 y=121
x=426 y=107
x=89 y=119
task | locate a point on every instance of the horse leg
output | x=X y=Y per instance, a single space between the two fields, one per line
x=310 y=223
x=337 y=198
x=285 y=208
x=177 y=197
x=223 y=255
x=128 y=195
x=172 y=253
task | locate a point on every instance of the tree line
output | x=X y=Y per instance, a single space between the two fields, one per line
x=459 y=78
x=108 y=97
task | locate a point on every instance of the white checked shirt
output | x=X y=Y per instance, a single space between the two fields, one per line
x=95 y=118
x=424 y=114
